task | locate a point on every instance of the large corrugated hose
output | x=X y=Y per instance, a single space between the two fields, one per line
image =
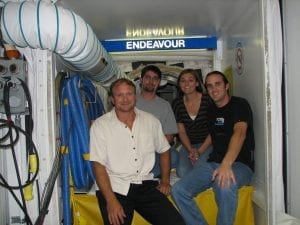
x=48 y=26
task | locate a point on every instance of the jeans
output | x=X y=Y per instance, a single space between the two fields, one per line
x=198 y=180
x=184 y=163
x=146 y=199
x=174 y=162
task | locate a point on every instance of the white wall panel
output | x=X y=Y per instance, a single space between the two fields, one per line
x=246 y=33
x=292 y=49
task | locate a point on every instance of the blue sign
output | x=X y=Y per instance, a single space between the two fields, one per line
x=160 y=44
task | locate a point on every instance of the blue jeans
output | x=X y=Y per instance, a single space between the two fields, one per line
x=174 y=161
x=184 y=164
x=198 y=180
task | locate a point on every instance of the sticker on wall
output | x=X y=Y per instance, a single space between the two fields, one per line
x=229 y=75
x=239 y=58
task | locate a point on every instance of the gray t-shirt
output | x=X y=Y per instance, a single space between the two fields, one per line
x=162 y=110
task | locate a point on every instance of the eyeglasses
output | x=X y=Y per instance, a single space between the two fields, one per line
x=149 y=78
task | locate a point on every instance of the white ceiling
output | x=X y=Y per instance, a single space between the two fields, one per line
x=110 y=18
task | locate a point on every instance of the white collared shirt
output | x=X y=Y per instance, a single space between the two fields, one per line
x=128 y=155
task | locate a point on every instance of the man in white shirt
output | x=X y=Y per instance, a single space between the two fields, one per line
x=122 y=148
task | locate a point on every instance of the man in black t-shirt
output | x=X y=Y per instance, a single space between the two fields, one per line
x=230 y=165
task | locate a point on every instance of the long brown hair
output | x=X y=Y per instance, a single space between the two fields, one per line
x=195 y=75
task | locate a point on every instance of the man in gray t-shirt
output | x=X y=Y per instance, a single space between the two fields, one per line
x=160 y=108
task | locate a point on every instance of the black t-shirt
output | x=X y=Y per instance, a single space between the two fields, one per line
x=221 y=123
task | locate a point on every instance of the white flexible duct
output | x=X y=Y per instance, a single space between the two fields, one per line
x=48 y=26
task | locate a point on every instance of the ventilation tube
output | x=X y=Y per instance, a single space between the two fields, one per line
x=48 y=26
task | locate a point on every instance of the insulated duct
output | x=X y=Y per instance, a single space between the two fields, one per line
x=48 y=26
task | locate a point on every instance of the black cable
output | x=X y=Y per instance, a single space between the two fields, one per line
x=28 y=126
x=49 y=187
x=10 y=125
x=16 y=199
x=4 y=126
x=49 y=190
x=13 y=130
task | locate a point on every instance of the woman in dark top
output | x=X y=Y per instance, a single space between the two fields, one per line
x=190 y=109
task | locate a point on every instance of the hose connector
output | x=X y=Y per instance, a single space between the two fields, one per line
x=28 y=192
x=32 y=163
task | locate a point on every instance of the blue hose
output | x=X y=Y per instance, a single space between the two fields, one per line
x=92 y=97
x=80 y=104
x=65 y=120
x=79 y=134
x=81 y=123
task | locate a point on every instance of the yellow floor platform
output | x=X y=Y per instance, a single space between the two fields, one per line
x=86 y=210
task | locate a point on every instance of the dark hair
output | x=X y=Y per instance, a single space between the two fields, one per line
x=195 y=75
x=224 y=78
x=152 y=68
x=121 y=81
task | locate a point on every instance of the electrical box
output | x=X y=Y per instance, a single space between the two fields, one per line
x=12 y=72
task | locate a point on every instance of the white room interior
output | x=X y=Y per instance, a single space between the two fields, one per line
x=248 y=27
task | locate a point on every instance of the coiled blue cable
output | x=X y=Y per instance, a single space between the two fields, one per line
x=65 y=127
x=80 y=104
